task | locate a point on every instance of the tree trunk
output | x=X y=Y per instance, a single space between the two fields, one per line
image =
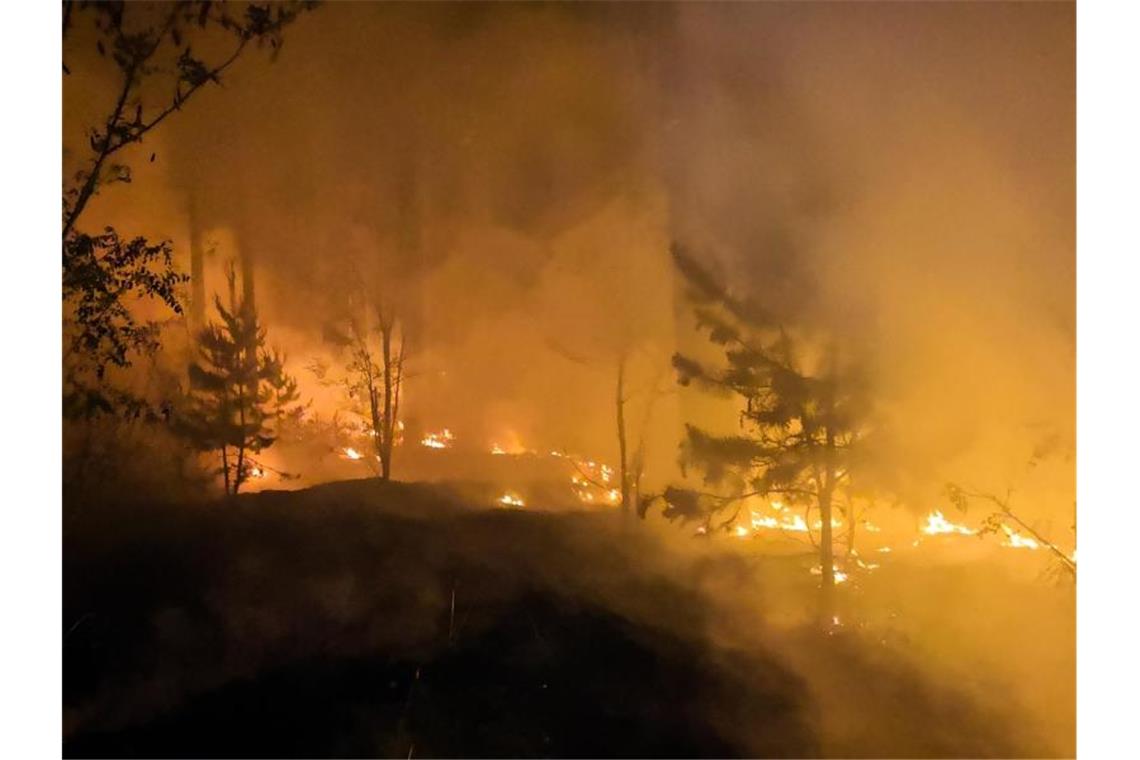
x=389 y=426
x=226 y=470
x=623 y=465
x=826 y=554
x=826 y=548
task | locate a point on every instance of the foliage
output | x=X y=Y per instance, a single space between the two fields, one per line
x=99 y=272
x=799 y=430
x=150 y=46
x=239 y=392
x=804 y=413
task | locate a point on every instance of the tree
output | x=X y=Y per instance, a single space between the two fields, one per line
x=803 y=415
x=376 y=375
x=239 y=392
x=150 y=45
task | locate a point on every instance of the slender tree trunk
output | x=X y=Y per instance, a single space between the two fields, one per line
x=226 y=470
x=386 y=452
x=239 y=473
x=826 y=548
x=623 y=465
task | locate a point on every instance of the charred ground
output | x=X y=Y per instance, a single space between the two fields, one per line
x=322 y=622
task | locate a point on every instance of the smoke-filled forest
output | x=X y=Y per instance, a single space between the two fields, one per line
x=568 y=379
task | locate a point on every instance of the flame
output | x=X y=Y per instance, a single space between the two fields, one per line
x=870 y=528
x=1018 y=541
x=591 y=480
x=937 y=523
x=352 y=453
x=511 y=500
x=441 y=440
x=509 y=443
x=793 y=523
x=256 y=472
x=741 y=531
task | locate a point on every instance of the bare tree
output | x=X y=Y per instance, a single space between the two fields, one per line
x=376 y=375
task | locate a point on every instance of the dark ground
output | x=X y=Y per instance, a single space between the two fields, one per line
x=321 y=623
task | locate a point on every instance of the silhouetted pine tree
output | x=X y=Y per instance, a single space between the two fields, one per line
x=238 y=389
x=800 y=426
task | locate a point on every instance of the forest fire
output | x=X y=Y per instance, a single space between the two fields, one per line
x=444 y=439
x=478 y=380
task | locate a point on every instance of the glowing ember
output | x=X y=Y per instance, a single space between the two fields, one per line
x=591 y=480
x=441 y=440
x=741 y=531
x=936 y=523
x=884 y=549
x=352 y=453
x=511 y=500
x=872 y=528
x=496 y=449
x=256 y=472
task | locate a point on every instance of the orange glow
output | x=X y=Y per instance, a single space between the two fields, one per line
x=937 y=523
x=441 y=440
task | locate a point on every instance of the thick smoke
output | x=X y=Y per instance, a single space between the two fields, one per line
x=899 y=174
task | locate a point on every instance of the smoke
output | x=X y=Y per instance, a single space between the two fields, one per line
x=899 y=174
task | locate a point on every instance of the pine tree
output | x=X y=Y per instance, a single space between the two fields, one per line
x=801 y=422
x=239 y=390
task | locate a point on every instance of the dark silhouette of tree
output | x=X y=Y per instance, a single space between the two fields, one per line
x=803 y=416
x=239 y=391
x=151 y=48
x=375 y=376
